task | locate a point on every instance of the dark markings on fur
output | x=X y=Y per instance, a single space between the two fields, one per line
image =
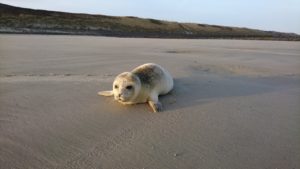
x=128 y=77
x=149 y=75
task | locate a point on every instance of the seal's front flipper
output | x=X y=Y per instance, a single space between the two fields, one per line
x=106 y=93
x=156 y=106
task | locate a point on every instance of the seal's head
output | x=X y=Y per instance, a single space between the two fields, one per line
x=126 y=87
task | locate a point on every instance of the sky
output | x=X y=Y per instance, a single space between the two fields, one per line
x=273 y=15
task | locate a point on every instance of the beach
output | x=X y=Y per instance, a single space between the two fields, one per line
x=235 y=104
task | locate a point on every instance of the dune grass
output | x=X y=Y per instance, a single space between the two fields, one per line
x=22 y=20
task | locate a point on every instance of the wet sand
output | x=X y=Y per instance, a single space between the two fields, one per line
x=235 y=104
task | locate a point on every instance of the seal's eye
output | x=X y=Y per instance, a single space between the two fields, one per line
x=129 y=87
x=116 y=86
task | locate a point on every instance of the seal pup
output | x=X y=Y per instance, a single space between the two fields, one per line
x=142 y=85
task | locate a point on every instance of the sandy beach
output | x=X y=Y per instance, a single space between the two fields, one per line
x=235 y=104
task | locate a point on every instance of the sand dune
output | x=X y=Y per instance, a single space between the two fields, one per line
x=235 y=104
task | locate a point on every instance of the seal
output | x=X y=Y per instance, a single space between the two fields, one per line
x=142 y=85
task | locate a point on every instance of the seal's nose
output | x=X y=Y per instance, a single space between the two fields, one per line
x=119 y=95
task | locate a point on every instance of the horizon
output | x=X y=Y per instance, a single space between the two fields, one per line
x=269 y=16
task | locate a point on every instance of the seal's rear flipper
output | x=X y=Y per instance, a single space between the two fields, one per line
x=106 y=93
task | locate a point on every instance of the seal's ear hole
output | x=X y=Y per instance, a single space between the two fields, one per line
x=116 y=86
x=129 y=87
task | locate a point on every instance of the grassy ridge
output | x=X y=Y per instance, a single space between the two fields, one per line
x=22 y=20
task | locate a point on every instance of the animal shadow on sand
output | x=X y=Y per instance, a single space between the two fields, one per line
x=200 y=89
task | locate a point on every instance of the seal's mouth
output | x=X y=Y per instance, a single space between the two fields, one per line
x=120 y=99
